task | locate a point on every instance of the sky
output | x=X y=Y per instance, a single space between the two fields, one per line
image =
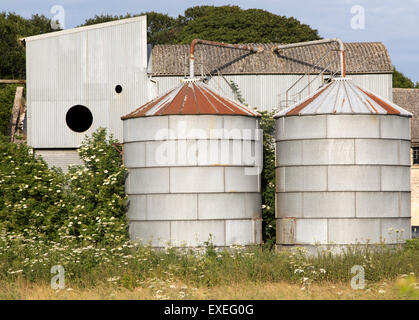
x=393 y=22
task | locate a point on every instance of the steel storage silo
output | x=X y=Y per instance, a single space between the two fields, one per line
x=194 y=161
x=342 y=169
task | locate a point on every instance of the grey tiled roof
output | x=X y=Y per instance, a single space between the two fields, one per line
x=409 y=99
x=361 y=57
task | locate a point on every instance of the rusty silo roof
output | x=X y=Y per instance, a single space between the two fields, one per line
x=343 y=96
x=191 y=98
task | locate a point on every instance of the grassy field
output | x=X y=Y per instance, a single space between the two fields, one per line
x=178 y=290
x=133 y=271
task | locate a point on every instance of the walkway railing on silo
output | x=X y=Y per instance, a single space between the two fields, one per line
x=315 y=66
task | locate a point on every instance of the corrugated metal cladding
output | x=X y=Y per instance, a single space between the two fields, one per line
x=342 y=170
x=83 y=66
x=268 y=92
x=60 y=158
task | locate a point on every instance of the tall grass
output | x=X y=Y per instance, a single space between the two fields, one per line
x=133 y=265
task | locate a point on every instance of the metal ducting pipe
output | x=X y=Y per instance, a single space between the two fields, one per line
x=309 y=43
x=216 y=44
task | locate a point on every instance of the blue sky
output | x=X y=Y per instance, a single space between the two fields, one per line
x=394 y=22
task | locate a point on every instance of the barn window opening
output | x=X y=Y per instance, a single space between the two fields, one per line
x=415 y=151
x=118 y=89
x=79 y=118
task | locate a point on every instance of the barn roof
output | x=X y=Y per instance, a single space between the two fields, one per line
x=361 y=57
x=409 y=100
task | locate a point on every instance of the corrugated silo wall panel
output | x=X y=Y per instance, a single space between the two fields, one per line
x=209 y=186
x=83 y=67
x=268 y=92
x=344 y=179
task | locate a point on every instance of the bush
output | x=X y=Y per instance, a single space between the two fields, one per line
x=96 y=196
x=267 y=123
x=31 y=202
x=412 y=244
x=85 y=205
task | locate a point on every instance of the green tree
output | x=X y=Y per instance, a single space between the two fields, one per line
x=12 y=53
x=225 y=23
x=235 y=25
x=401 y=81
x=161 y=28
x=102 y=18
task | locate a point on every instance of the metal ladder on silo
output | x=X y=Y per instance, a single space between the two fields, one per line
x=310 y=81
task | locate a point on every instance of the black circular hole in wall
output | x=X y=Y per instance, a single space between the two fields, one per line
x=118 y=89
x=79 y=118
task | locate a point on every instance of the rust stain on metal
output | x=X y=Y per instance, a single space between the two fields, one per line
x=146 y=107
x=342 y=96
x=381 y=103
x=191 y=98
x=176 y=104
x=205 y=103
x=372 y=106
x=280 y=47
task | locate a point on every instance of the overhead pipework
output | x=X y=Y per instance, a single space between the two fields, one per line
x=315 y=42
x=216 y=44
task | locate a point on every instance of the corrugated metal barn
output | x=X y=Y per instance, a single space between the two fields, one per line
x=264 y=78
x=100 y=70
